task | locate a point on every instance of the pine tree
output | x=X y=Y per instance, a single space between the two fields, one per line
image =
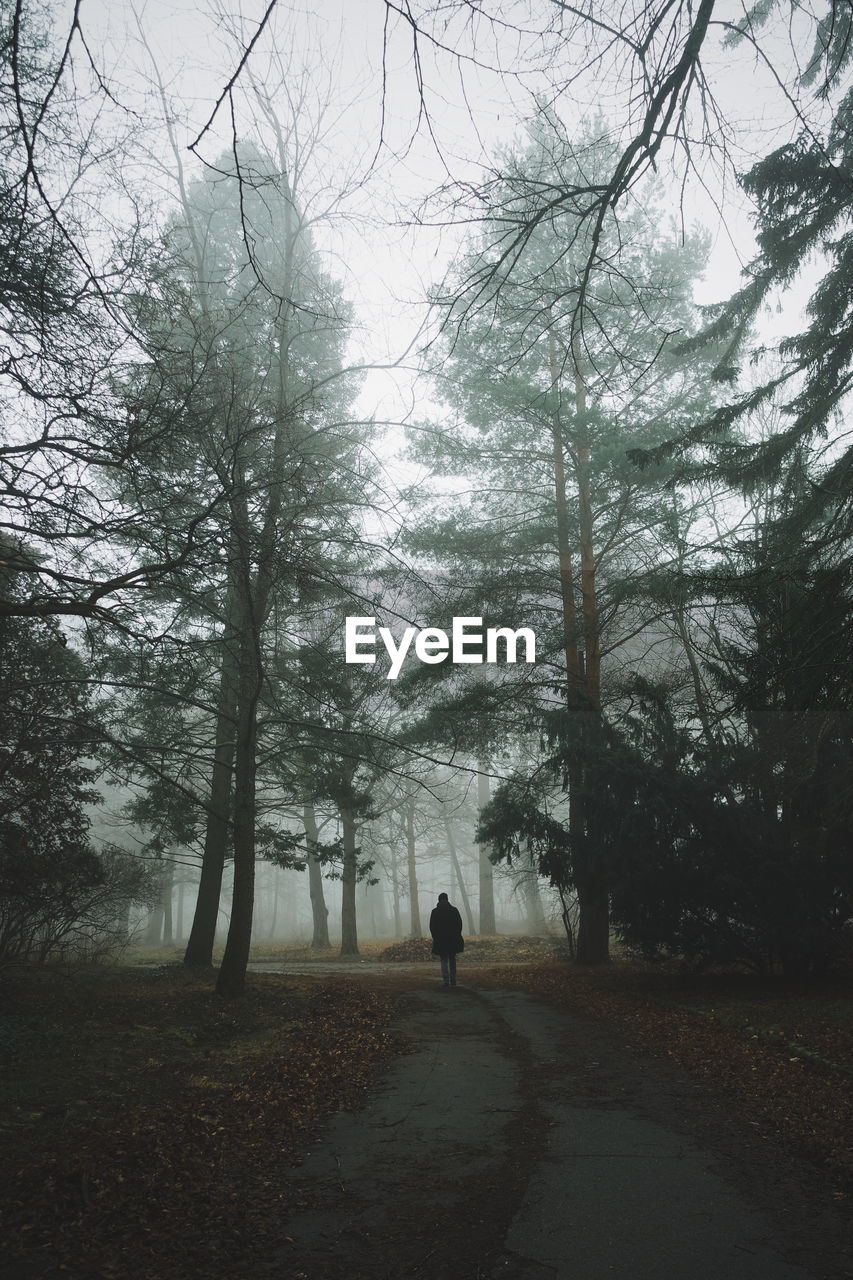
x=762 y=874
x=243 y=394
x=557 y=523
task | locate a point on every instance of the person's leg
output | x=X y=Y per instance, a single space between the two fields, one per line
x=445 y=970
x=452 y=970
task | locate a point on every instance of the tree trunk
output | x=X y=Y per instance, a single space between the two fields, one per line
x=179 y=913
x=274 y=914
x=255 y=535
x=488 y=924
x=395 y=882
x=582 y=676
x=254 y=596
x=593 y=940
x=457 y=871
x=319 y=910
x=413 y=871
x=154 y=928
x=591 y=880
x=349 y=927
x=202 y=937
x=589 y=594
x=232 y=973
x=536 y=926
x=166 y=899
x=375 y=898
x=574 y=676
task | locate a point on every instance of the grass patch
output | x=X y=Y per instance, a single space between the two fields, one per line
x=506 y=949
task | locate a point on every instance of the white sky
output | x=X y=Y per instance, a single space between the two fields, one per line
x=385 y=264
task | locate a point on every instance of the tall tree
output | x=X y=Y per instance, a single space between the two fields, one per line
x=766 y=630
x=244 y=376
x=549 y=417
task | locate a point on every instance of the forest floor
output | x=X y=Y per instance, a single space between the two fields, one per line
x=151 y=1131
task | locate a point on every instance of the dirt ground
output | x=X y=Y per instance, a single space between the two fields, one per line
x=354 y=1119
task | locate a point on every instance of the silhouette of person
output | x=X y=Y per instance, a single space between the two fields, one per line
x=445 y=926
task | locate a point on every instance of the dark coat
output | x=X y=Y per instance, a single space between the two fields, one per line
x=445 y=925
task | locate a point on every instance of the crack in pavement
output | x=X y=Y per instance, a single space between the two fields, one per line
x=516 y=1141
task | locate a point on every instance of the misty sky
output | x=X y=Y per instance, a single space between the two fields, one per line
x=383 y=242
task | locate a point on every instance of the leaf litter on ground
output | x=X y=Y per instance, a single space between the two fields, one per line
x=782 y=1051
x=152 y=1129
x=168 y=1154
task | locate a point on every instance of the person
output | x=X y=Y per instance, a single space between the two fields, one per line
x=445 y=925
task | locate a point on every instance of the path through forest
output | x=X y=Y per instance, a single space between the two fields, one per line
x=521 y=1142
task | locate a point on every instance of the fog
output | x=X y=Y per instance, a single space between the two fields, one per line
x=528 y=317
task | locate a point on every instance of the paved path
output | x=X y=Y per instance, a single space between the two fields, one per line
x=518 y=1141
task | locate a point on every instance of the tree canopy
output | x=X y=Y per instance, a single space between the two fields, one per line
x=616 y=455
